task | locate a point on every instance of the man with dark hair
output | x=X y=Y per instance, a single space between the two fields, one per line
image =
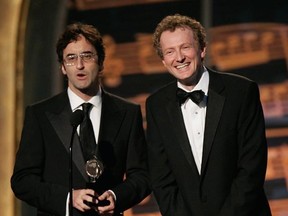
x=113 y=168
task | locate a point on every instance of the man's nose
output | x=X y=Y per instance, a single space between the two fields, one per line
x=180 y=56
x=79 y=63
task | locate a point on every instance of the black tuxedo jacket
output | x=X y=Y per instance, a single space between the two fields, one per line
x=41 y=172
x=234 y=152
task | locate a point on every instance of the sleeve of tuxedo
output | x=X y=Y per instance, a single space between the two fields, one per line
x=26 y=181
x=136 y=184
x=163 y=182
x=247 y=197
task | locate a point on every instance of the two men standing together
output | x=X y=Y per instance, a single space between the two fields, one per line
x=203 y=157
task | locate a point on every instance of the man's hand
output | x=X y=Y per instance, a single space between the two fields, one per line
x=81 y=196
x=106 y=210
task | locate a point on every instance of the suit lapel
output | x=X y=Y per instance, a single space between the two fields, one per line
x=215 y=105
x=175 y=116
x=60 y=120
x=111 y=118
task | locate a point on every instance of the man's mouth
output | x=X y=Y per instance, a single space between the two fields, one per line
x=182 y=66
x=81 y=74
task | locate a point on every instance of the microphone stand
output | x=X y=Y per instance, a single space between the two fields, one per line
x=71 y=173
x=75 y=120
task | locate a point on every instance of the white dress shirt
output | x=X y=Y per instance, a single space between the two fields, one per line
x=95 y=113
x=194 y=119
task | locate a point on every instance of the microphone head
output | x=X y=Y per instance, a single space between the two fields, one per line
x=76 y=117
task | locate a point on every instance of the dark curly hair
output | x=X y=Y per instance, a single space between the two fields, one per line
x=72 y=33
x=170 y=23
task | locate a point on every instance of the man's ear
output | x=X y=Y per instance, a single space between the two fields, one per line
x=100 y=72
x=203 y=53
x=63 y=69
x=164 y=63
x=101 y=68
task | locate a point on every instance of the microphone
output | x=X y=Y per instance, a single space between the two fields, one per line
x=75 y=119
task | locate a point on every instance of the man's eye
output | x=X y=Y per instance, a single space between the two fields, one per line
x=169 y=52
x=187 y=47
x=86 y=56
x=71 y=57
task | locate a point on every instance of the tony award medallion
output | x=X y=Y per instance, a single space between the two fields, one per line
x=94 y=169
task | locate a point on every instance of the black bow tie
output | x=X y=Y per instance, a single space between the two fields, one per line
x=196 y=96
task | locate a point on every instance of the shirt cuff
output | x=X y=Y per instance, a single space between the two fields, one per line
x=113 y=194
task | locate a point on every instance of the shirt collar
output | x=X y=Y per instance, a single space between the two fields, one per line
x=76 y=101
x=201 y=85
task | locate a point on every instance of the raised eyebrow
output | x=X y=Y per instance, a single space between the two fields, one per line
x=74 y=54
x=70 y=54
x=87 y=52
x=187 y=44
x=168 y=50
